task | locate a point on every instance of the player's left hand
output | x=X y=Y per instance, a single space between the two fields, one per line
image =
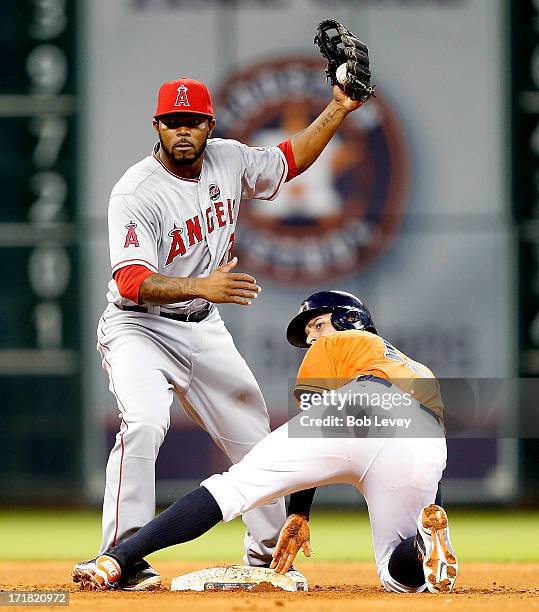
x=344 y=51
x=294 y=535
x=344 y=100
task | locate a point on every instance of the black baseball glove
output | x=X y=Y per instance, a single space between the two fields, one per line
x=339 y=46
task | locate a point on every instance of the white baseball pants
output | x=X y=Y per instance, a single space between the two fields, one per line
x=397 y=477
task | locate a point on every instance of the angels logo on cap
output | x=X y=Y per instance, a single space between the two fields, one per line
x=339 y=215
x=184 y=96
x=182 y=99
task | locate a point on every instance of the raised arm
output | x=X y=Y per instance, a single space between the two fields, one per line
x=310 y=142
x=349 y=72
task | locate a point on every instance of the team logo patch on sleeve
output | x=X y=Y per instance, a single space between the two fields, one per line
x=131 y=237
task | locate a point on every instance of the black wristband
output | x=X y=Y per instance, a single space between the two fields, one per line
x=301 y=501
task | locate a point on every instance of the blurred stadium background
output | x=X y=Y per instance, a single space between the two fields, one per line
x=426 y=205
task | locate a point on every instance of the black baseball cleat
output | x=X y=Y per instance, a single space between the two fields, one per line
x=140 y=577
x=440 y=564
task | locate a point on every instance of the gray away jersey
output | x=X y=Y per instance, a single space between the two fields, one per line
x=185 y=227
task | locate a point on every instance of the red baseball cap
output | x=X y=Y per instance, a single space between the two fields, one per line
x=184 y=96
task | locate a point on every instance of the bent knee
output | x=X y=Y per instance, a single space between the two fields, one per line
x=142 y=439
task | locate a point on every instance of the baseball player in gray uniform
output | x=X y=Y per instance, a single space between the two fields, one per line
x=172 y=218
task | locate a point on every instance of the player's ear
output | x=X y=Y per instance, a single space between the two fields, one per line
x=211 y=124
x=155 y=124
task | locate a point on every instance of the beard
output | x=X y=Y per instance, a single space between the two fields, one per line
x=182 y=158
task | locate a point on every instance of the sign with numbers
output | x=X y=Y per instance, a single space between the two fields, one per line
x=39 y=309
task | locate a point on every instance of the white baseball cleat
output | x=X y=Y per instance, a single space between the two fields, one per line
x=98 y=574
x=440 y=564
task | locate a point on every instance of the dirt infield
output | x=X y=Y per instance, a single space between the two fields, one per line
x=344 y=586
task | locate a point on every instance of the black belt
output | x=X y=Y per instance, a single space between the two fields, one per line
x=388 y=384
x=190 y=317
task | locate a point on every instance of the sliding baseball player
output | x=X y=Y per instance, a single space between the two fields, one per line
x=397 y=472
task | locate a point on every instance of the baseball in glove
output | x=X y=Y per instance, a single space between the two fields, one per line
x=348 y=59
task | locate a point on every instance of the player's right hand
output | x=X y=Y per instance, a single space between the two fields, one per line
x=223 y=286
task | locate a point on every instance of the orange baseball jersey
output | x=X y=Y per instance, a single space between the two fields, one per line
x=334 y=360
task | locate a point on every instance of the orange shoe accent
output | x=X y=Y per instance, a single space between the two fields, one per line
x=440 y=563
x=97 y=574
x=108 y=568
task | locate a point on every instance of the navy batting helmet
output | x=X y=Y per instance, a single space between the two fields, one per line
x=347 y=312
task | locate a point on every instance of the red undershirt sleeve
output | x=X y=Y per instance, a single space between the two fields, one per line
x=129 y=279
x=286 y=148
